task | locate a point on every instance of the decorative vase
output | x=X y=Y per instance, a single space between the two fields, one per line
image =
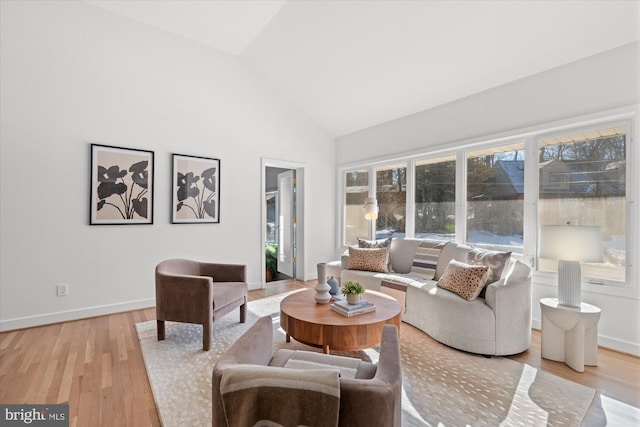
x=353 y=298
x=335 y=286
x=322 y=288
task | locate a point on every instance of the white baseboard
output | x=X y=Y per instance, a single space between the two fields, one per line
x=604 y=341
x=65 y=316
x=536 y=324
x=619 y=345
x=254 y=285
x=82 y=313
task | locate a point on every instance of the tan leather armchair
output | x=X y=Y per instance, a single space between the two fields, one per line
x=372 y=398
x=197 y=292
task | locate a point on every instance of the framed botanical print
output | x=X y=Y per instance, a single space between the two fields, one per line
x=121 y=185
x=196 y=190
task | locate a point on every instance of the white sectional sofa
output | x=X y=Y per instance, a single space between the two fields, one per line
x=498 y=322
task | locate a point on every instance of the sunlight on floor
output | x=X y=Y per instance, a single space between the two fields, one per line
x=373 y=354
x=521 y=398
x=408 y=407
x=620 y=414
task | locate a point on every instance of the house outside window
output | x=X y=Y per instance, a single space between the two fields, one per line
x=495 y=198
x=591 y=191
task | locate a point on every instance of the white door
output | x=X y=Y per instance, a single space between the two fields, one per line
x=286 y=211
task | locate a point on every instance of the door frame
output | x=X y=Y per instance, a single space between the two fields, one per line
x=301 y=202
x=286 y=186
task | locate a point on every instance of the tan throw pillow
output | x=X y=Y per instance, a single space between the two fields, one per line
x=369 y=259
x=464 y=279
x=380 y=243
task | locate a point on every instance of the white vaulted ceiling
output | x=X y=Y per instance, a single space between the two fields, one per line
x=355 y=64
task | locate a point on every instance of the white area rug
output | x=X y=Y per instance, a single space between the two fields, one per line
x=442 y=386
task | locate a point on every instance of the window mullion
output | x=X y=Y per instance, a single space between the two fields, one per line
x=461 y=197
x=372 y=193
x=410 y=219
x=342 y=198
x=633 y=210
x=530 y=214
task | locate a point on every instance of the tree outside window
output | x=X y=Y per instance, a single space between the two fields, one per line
x=435 y=196
x=391 y=192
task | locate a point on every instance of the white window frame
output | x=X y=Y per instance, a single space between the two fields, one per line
x=411 y=198
x=461 y=190
x=373 y=183
x=341 y=182
x=628 y=116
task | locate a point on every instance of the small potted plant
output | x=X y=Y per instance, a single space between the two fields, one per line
x=271 y=260
x=352 y=290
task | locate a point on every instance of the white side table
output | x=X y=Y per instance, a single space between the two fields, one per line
x=570 y=334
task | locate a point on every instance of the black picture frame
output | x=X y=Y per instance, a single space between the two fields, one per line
x=122 y=182
x=195 y=190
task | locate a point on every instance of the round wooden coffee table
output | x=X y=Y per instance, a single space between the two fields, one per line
x=316 y=324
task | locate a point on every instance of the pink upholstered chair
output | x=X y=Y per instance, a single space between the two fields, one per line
x=197 y=292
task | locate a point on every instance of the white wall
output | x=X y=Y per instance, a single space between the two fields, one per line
x=595 y=84
x=73 y=74
x=601 y=82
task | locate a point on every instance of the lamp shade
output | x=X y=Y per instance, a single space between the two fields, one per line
x=570 y=243
x=370 y=208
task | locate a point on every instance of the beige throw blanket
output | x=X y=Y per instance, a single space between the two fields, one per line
x=255 y=395
x=348 y=366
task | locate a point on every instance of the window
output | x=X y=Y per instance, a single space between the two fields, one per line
x=495 y=198
x=391 y=192
x=583 y=182
x=475 y=193
x=435 y=197
x=558 y=178
x=356 y=190
x=271 y=198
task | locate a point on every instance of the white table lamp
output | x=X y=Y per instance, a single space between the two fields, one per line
x=370 y=208
x=570 y=245
x=370 y=212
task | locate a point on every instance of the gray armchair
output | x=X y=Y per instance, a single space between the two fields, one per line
x=197 y=292
x=372 y=398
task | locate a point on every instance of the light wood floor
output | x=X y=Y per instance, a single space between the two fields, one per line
x=95 y=365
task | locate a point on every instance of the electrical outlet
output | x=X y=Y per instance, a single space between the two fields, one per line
x=62 y=290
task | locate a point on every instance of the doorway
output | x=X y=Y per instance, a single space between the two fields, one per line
x=282 y=220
